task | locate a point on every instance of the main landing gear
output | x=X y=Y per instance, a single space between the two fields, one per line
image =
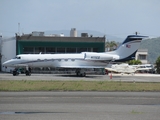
x=16 y=71
x=28 y=73
x=80 y=72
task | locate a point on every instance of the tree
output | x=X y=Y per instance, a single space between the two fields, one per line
x=134 y=62
x=111 y=45
x=158 y=65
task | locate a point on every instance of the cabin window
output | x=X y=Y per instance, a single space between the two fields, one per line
x=72 y=59
x=17 y=57
x=66 y=60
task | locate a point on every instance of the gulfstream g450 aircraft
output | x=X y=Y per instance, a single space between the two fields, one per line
x=80 y=61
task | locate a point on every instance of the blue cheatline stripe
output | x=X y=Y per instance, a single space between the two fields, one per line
x=131 y=57
x=34 y=61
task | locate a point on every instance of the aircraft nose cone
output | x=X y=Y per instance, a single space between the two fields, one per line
x=7 y=63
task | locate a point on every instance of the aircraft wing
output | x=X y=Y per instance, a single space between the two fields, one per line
x=125 y=70
x=111 y=69
x=81 y=66
x=143 y=68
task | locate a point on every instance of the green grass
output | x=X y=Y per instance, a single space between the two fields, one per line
x=25 y=85
x=136 y=112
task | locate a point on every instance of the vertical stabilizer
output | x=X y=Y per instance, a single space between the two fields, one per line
x=127 y=50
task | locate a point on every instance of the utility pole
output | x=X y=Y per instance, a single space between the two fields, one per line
x=18 y=28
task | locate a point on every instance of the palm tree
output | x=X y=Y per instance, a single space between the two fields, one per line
x=111 y=45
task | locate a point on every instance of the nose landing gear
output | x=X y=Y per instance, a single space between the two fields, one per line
x=28 y=73
x=17 y=71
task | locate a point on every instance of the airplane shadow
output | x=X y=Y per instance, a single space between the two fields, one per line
x=11 y=113
x=75 y=76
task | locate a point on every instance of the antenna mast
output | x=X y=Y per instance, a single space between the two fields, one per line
x=18 y=28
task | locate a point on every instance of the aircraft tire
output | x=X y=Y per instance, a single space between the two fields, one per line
x=77 y=74
x=15 y=73
x=28 y=73
x=81 y=74
x=84 y=74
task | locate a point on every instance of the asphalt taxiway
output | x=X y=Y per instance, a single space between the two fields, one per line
x=80 y=105
x=70 y=77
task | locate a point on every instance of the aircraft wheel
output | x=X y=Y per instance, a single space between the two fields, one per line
x=15 y=73
x=77 y=73
x=84 y=74
x=81 y=74
x=28 y=73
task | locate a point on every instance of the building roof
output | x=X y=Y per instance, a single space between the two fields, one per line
x=142 y=50
x=29 y=37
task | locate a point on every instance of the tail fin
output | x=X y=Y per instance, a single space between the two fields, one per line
x=127 y=50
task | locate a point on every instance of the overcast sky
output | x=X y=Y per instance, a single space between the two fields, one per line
x=113 y=17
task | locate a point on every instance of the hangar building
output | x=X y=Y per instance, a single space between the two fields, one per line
x=37 y=42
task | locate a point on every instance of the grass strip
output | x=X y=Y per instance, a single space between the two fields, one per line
x=24 y=85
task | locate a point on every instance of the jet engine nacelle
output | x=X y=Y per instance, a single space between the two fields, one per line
x=97 y=56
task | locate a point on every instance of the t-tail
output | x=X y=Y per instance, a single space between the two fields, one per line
x=127 y=50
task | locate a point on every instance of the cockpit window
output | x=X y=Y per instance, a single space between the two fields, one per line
x=17 y=57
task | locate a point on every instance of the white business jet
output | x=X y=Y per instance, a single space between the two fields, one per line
x=125 y=68
x=79 y=61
